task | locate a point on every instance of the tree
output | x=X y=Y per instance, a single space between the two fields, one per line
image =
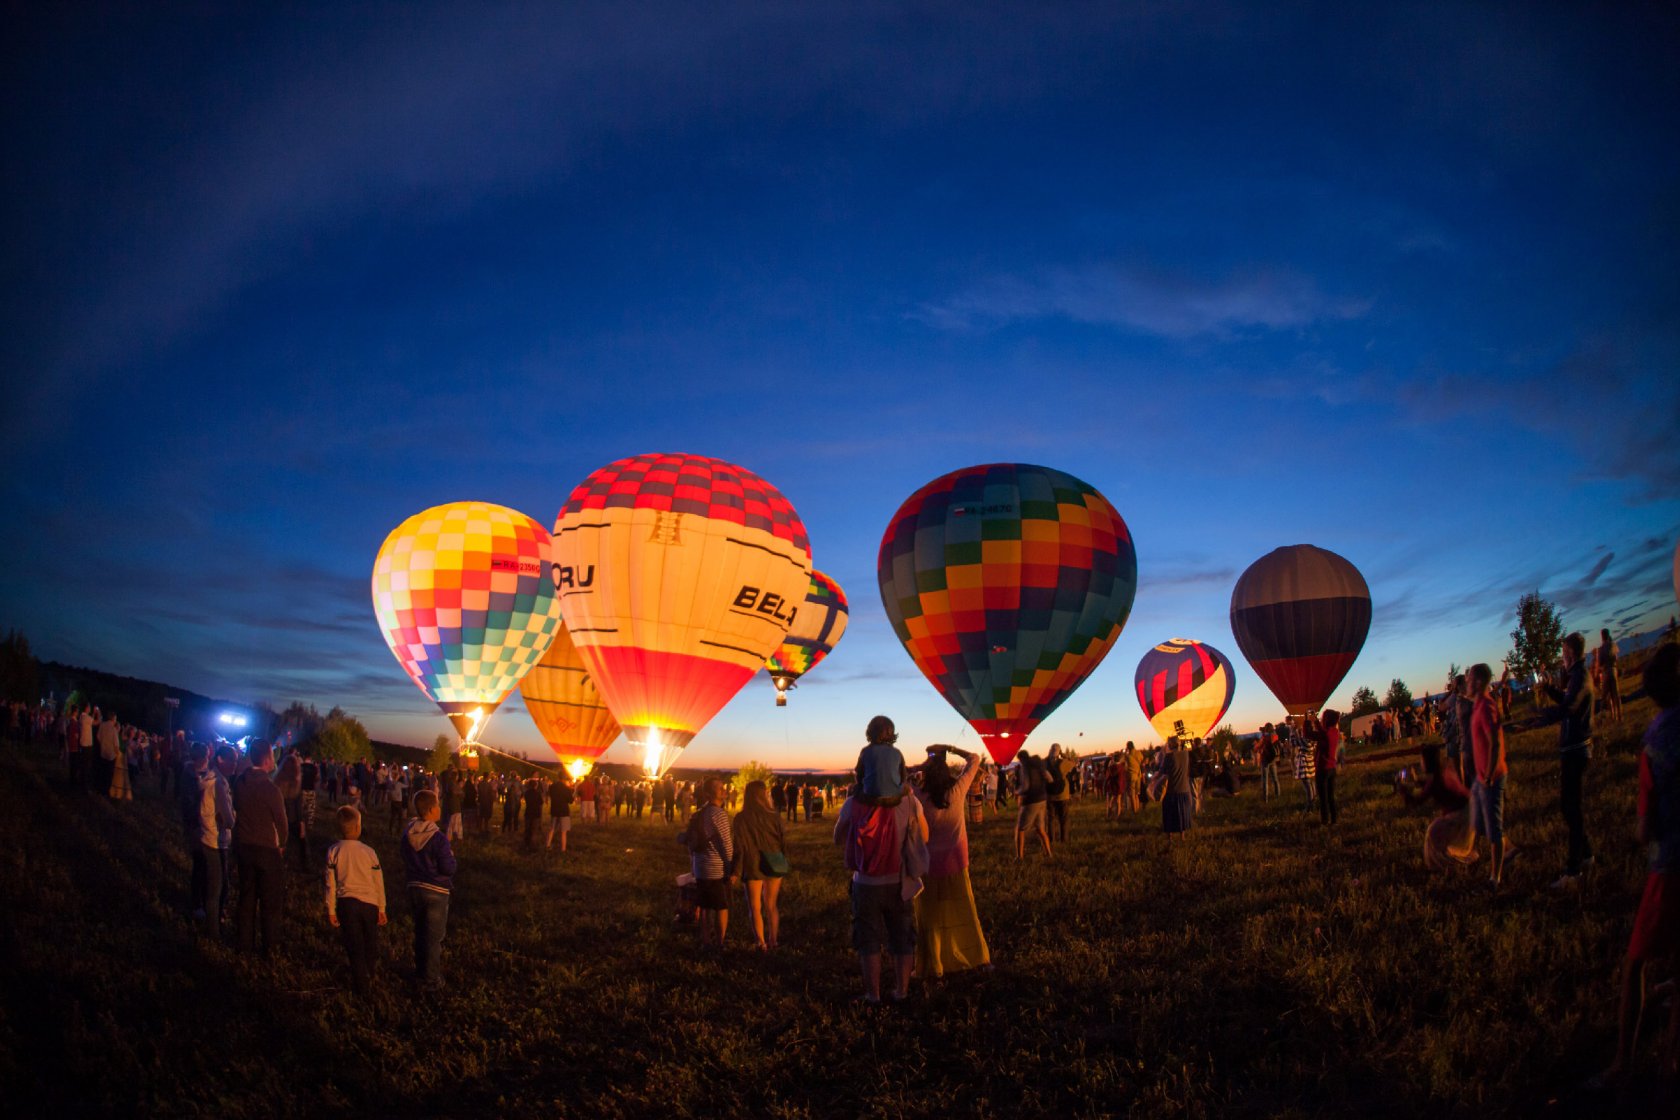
x=752 y=772
x=1365 y=702
x=20 y=676
x=1224 y=737
x=298 y=724
x=443 y=750
x=1399 y=697
x=342 y=738
x=1538 y=639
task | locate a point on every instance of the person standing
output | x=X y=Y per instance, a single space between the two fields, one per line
x=1572 y=708
x=356 y=899
x=1178 y=814
x=533 y=811
x=1607 y=659
x=1269 y=787
x=450 y=788
x=712 y=856
x=309 y=781
x=212 y=837
x=760 y=841
x=109 y=750
x=1326 y=739
x=1306 y=766
x=1131 y=794
x=559 y=809
x=1058 y=791
x=1487 y=750
x=1031 y=817
x=948 y=934
x=430 y=864
x=259 y=838
x=873 y=838
x=1656 y=926
x=86 y=771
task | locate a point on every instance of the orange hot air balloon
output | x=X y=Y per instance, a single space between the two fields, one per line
x=466 y=605
x=816 y=630
x=678 y=575
x=567 y=707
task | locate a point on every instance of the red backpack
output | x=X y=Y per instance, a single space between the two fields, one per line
x=872 y=846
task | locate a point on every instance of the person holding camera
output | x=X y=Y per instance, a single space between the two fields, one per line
x=1450 y=839
x=1572 y=708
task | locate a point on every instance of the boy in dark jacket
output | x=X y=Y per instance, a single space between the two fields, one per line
x=430 y=864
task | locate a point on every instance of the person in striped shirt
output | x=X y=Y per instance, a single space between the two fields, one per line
x=711 y=847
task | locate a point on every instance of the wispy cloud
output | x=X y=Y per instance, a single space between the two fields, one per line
x=1146 y=301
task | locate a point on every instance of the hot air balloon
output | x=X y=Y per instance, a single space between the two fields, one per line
x=817 y=626
x=678 y=576
x=1186 y=682
x=466 y=604
x=567 y=707
x=1300 y=615
x=1007 y=584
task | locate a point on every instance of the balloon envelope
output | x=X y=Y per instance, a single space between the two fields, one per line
x=465 y=602
x=678 y=576
x=567 y=707
x=816 y=630
x=1300 y=615
x=1184 y=681
x=1007 y=584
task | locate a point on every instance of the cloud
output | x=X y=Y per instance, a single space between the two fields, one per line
x=1145 y=301
x=1597 y=569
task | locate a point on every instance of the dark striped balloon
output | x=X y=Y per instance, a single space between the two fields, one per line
x=1300 y=615
x=1184 y=682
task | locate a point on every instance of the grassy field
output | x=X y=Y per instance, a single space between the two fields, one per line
x=1268 y=967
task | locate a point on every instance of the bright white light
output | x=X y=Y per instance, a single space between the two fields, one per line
x=650 y=753
x=477 y=715
x=233 y=719
x=578 y=767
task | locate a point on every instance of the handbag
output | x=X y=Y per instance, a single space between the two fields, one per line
x=773 y=864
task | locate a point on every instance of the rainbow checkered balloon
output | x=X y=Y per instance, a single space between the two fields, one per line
x=817 y=626
x=466 y=602
x=1008 y=584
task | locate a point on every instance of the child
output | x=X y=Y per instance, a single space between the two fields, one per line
x=356 y=898
x=880 y=766
x=430 y=864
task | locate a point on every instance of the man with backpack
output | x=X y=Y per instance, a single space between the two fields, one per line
x=875 y=838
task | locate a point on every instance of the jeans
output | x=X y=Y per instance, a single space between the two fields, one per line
x=1269 y=786
x=262 y=885
x=1574 y=772
x=210 y=886
x=1327 y=796
x=431 y=920
x=1487 y=802
x=1307 y=785
x=358 y=928
x=1058 y=820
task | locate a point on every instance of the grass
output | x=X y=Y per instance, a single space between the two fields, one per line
x=1267 y=968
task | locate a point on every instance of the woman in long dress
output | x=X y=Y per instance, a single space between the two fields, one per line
x=948 y=934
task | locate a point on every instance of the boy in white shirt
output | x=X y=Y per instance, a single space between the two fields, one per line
x=355 y=897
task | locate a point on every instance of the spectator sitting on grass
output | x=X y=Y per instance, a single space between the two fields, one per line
x=1450 y=839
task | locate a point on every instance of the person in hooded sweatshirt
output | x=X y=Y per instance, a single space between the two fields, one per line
x=430 y=864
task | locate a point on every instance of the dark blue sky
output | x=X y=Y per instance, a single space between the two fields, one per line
x=1398 y=283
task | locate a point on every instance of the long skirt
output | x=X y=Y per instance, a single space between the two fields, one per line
x=1449 y=841
x=948 y=936
x=121 y=789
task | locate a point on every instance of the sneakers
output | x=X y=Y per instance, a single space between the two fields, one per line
x=1566 y=882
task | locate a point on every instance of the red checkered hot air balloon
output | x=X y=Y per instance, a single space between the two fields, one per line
x=1300 y=615
x=678 y=575
x=1008 y=584
x=1184 y=682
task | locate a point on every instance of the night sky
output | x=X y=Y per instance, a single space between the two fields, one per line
x=1401 y=284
